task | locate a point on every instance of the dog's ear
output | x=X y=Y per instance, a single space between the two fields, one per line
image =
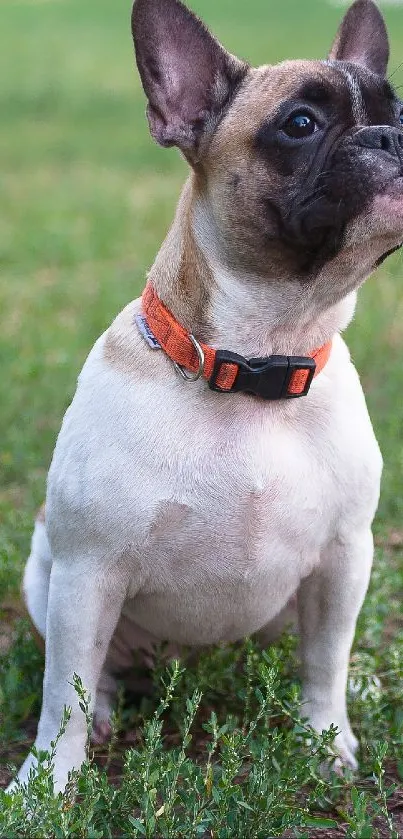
x=363 y=38
x=187 y=76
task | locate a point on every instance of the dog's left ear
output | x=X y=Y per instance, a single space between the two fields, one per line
x=363 y=38
x=187 y=76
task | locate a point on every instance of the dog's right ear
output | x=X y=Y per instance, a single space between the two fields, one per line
x=363 y=38
x=187 y=76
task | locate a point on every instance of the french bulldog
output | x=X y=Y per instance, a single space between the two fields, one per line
x=217 y=460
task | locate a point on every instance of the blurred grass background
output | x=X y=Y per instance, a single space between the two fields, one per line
x=86 y=198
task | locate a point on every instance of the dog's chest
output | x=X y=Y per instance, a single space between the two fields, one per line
x=219 y=506
x=233 y=516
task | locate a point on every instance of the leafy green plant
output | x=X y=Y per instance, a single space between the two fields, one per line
x=257 y=774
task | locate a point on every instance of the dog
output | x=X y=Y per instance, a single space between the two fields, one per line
x=218 y=458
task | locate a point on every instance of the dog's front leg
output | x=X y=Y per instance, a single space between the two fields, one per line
x=329 y=602
x=83 y=609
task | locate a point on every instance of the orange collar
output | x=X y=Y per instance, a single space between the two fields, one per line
x=275 y=377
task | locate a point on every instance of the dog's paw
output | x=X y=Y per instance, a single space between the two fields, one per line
x=346 y=745
x=341 y=759
x=29 y=765
x=101 y=725
x=12 y=788
x=101 y=731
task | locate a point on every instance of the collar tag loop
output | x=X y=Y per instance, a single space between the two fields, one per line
x=192 y=377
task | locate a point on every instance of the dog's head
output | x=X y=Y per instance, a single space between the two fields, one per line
x=298 y=165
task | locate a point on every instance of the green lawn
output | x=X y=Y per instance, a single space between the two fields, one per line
x=86 y=198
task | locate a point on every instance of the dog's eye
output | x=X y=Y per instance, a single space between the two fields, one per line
x=401 y=118
x=301 y=125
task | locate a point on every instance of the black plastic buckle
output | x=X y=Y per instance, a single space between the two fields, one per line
x=268 y=377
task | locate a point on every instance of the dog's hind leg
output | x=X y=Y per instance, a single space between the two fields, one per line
x=104 y=703
x=132 y=649
x=287 y=618
x=37 y=576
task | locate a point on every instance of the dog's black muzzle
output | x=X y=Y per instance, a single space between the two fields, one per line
x=359 y=166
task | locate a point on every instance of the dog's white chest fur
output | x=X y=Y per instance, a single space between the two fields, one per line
x=220 y=504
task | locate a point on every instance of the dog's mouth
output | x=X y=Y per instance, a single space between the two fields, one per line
x=388 y=208
x=315 y=228
x=319 y=225
x=394 y=191
x=388 y=253
x=354 y=190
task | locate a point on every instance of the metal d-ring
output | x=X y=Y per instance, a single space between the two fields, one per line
x=192 y=377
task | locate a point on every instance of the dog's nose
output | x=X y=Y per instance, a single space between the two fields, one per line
x=383 y=138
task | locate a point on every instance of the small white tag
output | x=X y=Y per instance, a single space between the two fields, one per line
x=146 y=332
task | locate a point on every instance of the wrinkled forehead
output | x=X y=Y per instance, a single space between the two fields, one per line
x=369 y=97
x=351 y=94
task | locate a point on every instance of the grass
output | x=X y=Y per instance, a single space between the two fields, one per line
x=86 y=198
